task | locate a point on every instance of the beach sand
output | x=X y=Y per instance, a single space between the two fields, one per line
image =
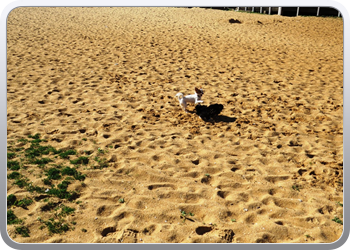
x=104 y=80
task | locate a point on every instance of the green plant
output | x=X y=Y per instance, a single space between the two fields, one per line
x=233 y=220
x=184 y=215
x=13 y=165
x=66 y=211
x=83 y=230
x=24 y=202
x=296 y=188
x=11 y=155
x=340 y=204
x=121 y=200
x=25 y=141
x=56 y=226
x=81 y=160
x=73 y=172
x=65 y=155
x=21 y=183
x=102 y=163
x=53 y=174
x=337 y=220
x=42 y=161
x=12 y=201
x=14 y=175
x=22 y=230
x=12 y=218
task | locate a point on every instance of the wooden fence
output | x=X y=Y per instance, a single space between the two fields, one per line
x=293 y=11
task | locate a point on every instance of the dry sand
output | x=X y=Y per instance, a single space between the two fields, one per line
x=110 y=75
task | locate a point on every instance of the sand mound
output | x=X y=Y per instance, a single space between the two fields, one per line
x=102 y=81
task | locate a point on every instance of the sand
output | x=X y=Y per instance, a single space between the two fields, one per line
x=268 y=169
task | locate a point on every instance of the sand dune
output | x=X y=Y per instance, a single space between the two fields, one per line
x=105 y=78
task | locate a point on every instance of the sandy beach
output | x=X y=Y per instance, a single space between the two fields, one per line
x=102 y=82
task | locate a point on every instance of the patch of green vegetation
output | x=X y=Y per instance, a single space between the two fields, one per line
x=100 y=151
x=13 y=165
x=102 y=163
x=21 y=183
x=81 y=160
x=42 y=161
x=66 y=154
x=23 y=231
x=337 y=220
x=24 y=202
x=14 y=175
x=36 y=154
x=66 y=211
x=56 y=226
x=36 y=150
x=121 y=200
x=11 y=155
x=73 y=172
x=24 y=141
x=12 y=218
x=53 y=174
x=296 y=188
x=340 y=204
x=62 y=193
x=35 y=137
x=12 y=201
x=63 y=185
x=184 y=215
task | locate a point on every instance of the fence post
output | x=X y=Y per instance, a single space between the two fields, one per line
x=279 y=11
x=298 y=11
x=318 y=11
x=269 y=10
x=260 y=10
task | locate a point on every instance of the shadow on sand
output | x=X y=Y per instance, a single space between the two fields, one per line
x=224 y=118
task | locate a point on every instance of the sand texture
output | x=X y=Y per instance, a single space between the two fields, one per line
x=102 y=81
